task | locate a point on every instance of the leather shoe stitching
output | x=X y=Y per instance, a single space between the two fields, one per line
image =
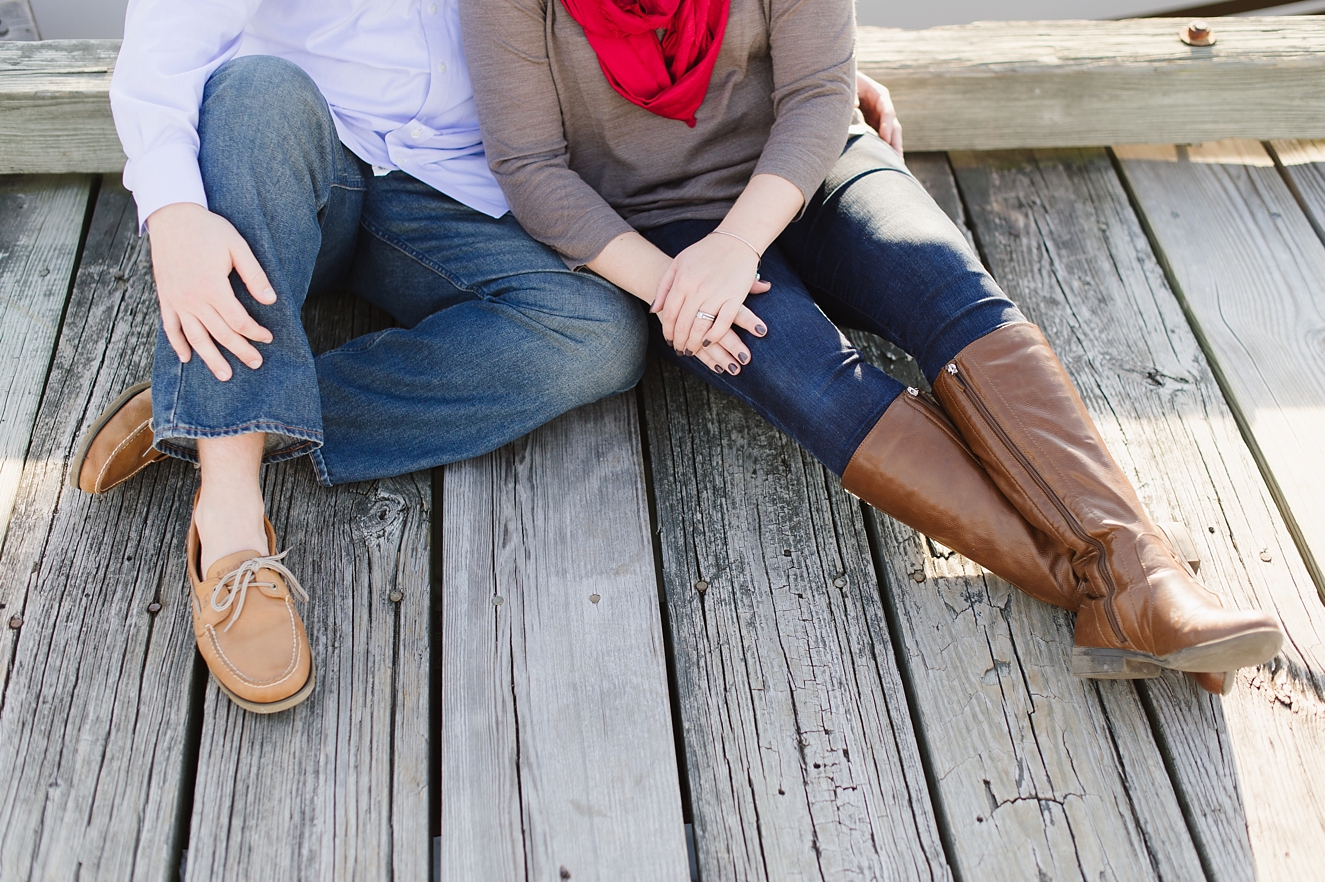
x=114 y=453
x=294 y=663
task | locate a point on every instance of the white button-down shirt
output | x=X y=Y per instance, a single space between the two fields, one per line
x=392 y=71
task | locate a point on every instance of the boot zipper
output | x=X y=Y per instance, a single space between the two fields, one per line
x=1073 y=524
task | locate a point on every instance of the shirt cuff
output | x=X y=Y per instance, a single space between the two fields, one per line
x=164 y=176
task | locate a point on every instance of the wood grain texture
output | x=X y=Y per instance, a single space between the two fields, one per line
x=1250 y=271
x=336 y=788
x=1050 y=777
x=94 y=711
x=55 y=107
x=1302 y=164
x=41 y=223
x=557 y=741
x=995 y=85
x=801 y=757
x=1059 y=234
x=982 y=86
x=17 y=21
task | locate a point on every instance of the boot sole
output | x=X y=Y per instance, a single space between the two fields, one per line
x=1239 y=651
x=80 y=455
x=272 y=707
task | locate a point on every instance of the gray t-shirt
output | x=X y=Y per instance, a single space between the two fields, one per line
x=580 y=165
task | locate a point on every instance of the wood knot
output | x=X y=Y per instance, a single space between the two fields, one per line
x=379 y=514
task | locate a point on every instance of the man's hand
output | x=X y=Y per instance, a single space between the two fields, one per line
x=193 y=253
x=877 y=106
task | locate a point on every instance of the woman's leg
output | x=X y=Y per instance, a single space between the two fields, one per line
x=870 y=235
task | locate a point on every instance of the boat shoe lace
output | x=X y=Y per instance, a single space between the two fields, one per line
x=235 y=584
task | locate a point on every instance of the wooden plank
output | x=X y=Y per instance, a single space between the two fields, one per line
x=41 y=224
x=17 y=22
x=1302 y=164
x=1050 y=776
x=1249 y=270
x=558 y=758
x=55 y=107
x=1061 y=237
x=982 y=86
x=801 y=757
x=994 y=85
x=338 y=787
x=96 y=689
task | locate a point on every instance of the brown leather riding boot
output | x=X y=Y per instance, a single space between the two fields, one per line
x=1140 y=608
x=915 y=467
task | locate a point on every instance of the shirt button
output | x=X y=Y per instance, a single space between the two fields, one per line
x=432 y=8
x=416 y=132
x=441 y=67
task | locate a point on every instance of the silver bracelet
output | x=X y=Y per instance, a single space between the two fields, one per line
x=743 y=241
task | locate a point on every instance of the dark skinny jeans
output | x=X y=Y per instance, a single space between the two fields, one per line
x=872 y=251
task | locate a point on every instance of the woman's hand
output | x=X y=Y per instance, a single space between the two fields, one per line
x=712 y=276
x=877 y=107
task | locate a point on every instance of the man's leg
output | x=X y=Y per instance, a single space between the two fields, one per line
x=499 y=337
x=276 y=170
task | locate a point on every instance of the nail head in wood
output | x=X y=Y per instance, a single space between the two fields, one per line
x=918 y=575
x=594 y=598
x=498 y=600
x=839 y=582
x=16 y=622
x=565 y=873
x=1266 y=556
x=395 y=597
x=1197 y=33
x=701 y=586
x=154 y=607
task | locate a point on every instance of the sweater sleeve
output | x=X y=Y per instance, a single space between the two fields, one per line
x=812 y=43
x=520 y=117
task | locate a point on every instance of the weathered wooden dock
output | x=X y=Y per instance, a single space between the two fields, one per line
x=657 y=618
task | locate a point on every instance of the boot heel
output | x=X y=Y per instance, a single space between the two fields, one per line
x=1111 y=664
x=1181 y=540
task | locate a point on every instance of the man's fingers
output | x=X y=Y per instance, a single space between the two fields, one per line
x=206 y=349
x=226 y=336
x=175 y=335
x=250 y=272
x=750 y=322
x=236 y=316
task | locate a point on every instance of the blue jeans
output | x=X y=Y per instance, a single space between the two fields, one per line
x=496 y=335
x=872 y=251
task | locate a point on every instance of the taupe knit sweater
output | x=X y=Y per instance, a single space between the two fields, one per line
x=581 y=165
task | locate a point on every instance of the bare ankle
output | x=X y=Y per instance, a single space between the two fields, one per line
x=230 y=509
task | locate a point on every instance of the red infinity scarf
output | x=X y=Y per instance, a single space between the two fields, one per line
x=669 y=77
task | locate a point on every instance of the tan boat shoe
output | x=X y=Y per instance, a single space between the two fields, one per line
x=118 y=445
x=247 y=628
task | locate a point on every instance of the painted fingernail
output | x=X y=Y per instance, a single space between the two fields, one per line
x=706 y=343
x=717 y=369
x=733 y=369
x=744 y=357
x=654 y=305
x=688 y=353
x=761 y=330
x=668 y=342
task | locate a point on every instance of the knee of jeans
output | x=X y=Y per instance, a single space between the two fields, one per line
x=613 y=341
x=261 y=111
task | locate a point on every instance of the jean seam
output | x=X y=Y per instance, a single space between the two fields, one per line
x=415 y=255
